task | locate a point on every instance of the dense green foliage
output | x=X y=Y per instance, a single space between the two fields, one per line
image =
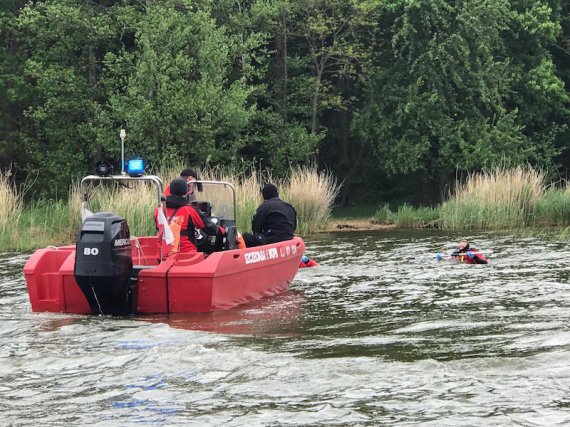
x=395 y=98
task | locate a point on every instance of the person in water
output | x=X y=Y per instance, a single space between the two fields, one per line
x=307 y=262
x=467 y=254
x=274 y=221
x=190 y=176
x=183 y=219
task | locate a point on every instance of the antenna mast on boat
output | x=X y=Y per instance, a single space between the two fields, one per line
x=123 y=134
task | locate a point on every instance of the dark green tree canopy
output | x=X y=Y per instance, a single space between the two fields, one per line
x=449 y=86
x=375 y=91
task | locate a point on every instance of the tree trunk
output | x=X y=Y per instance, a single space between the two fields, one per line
x=315 y=102
x=281 y=67
x=92 y=60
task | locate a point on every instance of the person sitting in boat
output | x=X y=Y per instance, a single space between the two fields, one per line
x=183 y=219
x=467 y=254
x=190 y=176
x=274 y=221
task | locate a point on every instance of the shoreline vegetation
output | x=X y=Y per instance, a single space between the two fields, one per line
x=498 y=199
x=40 y=223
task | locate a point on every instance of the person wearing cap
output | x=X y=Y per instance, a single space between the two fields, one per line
x=274 y=221
x=185 y=217
x=468 y=254
x=190 y=176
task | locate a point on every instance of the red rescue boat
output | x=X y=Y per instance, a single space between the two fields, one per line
x=110 y=272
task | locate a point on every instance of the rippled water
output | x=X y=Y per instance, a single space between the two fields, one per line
x=378 y=334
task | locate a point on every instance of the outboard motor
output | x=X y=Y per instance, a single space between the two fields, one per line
x=103 y=263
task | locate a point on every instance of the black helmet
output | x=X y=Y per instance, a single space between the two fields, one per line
x=178 y=187
x=269 y=191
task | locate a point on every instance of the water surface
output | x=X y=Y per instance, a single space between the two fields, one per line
x=379 y=334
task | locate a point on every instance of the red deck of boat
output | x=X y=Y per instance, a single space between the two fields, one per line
x=181 y=284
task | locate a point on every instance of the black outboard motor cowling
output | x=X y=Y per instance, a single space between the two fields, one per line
x=103 y=264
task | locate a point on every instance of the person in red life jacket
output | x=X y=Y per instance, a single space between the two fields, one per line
x=307 y=262
x=184 y=217
x=190 y=176
x=274 y=221
x=468 y=254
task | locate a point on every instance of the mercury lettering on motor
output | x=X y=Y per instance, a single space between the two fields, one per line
x=122 y=242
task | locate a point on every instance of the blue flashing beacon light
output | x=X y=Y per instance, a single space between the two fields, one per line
x=135 y=167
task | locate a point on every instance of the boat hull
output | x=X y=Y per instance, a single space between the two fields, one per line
x=183 y=283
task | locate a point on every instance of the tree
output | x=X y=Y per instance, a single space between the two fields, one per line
x=330 y=64
x=561 y=57
x=178 y=99
x=58 y=86
x=275 y=137
x=11 y=110
x=451 y=88
x=331 y=34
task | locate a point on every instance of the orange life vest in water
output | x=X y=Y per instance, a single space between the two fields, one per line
x=477 y=258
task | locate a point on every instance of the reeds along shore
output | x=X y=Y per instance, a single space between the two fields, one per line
x=498 y=199
x=11 y=206
x=42 y=223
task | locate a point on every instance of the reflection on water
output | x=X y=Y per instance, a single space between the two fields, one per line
x=379 y=334
x=274 y=316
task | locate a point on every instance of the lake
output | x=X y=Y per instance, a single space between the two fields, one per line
x=379 y=334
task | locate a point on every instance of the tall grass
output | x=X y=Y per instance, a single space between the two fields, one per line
x=11 y=206
x=406 y=216
x=248 y=198
x=55 y=222
x=495 y=199
x=553 y=208
x=171 y=170
x=312 y=194
x=383 y=215
x=134 y=201
x=45 y=223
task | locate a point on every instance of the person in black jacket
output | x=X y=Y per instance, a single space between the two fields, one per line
x=274 y=221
